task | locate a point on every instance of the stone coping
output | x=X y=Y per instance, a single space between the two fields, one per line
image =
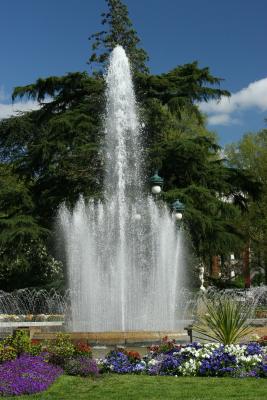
x=25 y=324
x=116 y=338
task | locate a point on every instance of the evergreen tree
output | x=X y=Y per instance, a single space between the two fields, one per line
x=119 y=32
x=21 y=237
x=250 y=154
x=181 y=89
x=56 y=148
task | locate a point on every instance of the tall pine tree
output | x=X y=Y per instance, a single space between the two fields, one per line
x=119 y=31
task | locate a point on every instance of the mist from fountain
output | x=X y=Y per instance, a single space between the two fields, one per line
x=124 y=255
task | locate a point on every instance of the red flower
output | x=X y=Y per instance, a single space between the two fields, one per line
x=35 y=341
x=134 y=354
x=83 y=348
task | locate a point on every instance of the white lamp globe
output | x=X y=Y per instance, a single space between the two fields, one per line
x=178 y=216
x=156 y=189
x=137 y=217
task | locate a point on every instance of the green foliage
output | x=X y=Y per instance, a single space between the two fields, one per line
x=195 y=173
x=35 y=349
x=181 y=88
x=17 y=344
x=19 y=229
x=33 y=267
x=19 y=341
x=16 y=208
x=250 y=154
x=120 y=32
x=7 y=353
x=225 y=320
x=56 y=147
x=61 y=349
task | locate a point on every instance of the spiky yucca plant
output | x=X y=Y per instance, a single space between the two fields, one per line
x=225 y=320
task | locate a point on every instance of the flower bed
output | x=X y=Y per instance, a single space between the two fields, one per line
x=29 y=367
x=26 y=375
x=211 y=359
x=31 y=317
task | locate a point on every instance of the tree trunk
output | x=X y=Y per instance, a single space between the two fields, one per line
x=265 y=266
x=215 y=267
x=246 y=266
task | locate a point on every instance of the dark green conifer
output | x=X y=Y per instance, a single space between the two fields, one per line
x=119 y=31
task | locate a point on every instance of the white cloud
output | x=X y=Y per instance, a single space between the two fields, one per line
x=223 y=119
x=252 y=96
x=7 y=110
x=219 y=119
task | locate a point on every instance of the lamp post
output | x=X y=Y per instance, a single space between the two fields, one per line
x=201 y=277
x=178 y=209
x=156 y=183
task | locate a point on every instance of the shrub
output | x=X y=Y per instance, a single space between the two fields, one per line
x=82 y=349
x=20 y=341
x=7 y=353
x=82 y=366
x=61 y=349
x=35 y=347
x=165 y=345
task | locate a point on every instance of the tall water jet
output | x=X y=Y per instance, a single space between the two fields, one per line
x=122 y=254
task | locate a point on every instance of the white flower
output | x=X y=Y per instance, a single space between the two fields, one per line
x=153 y=362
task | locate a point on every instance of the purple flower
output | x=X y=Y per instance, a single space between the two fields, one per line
x=253 y=348
x=219 y=364
x=26 y=375
x=117 y=361
x=81 y=365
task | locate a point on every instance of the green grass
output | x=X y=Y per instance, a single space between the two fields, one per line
x=122 y=387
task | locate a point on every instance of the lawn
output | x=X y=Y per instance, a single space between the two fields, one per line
x=121 y=387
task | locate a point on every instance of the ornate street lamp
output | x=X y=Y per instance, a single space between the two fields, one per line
x=156 y=183
x=178 y=209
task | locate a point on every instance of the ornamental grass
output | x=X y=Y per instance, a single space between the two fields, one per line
x=225 y=320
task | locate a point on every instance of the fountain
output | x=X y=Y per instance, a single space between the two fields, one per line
x=124 y=255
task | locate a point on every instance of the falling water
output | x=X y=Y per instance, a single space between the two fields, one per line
x=122 y=254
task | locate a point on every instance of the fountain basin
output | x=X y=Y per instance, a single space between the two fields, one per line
x=135 y=338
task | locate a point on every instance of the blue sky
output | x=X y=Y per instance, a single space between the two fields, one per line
x=43 y=38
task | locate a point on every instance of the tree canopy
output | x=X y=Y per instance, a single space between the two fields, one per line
x=250 y=154
x=119 y=31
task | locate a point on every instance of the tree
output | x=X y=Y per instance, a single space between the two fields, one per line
x=181 y=89
x=21 y=237
x=250 y=154
x=195 y=174
x=120 y=32
x=56 y=148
